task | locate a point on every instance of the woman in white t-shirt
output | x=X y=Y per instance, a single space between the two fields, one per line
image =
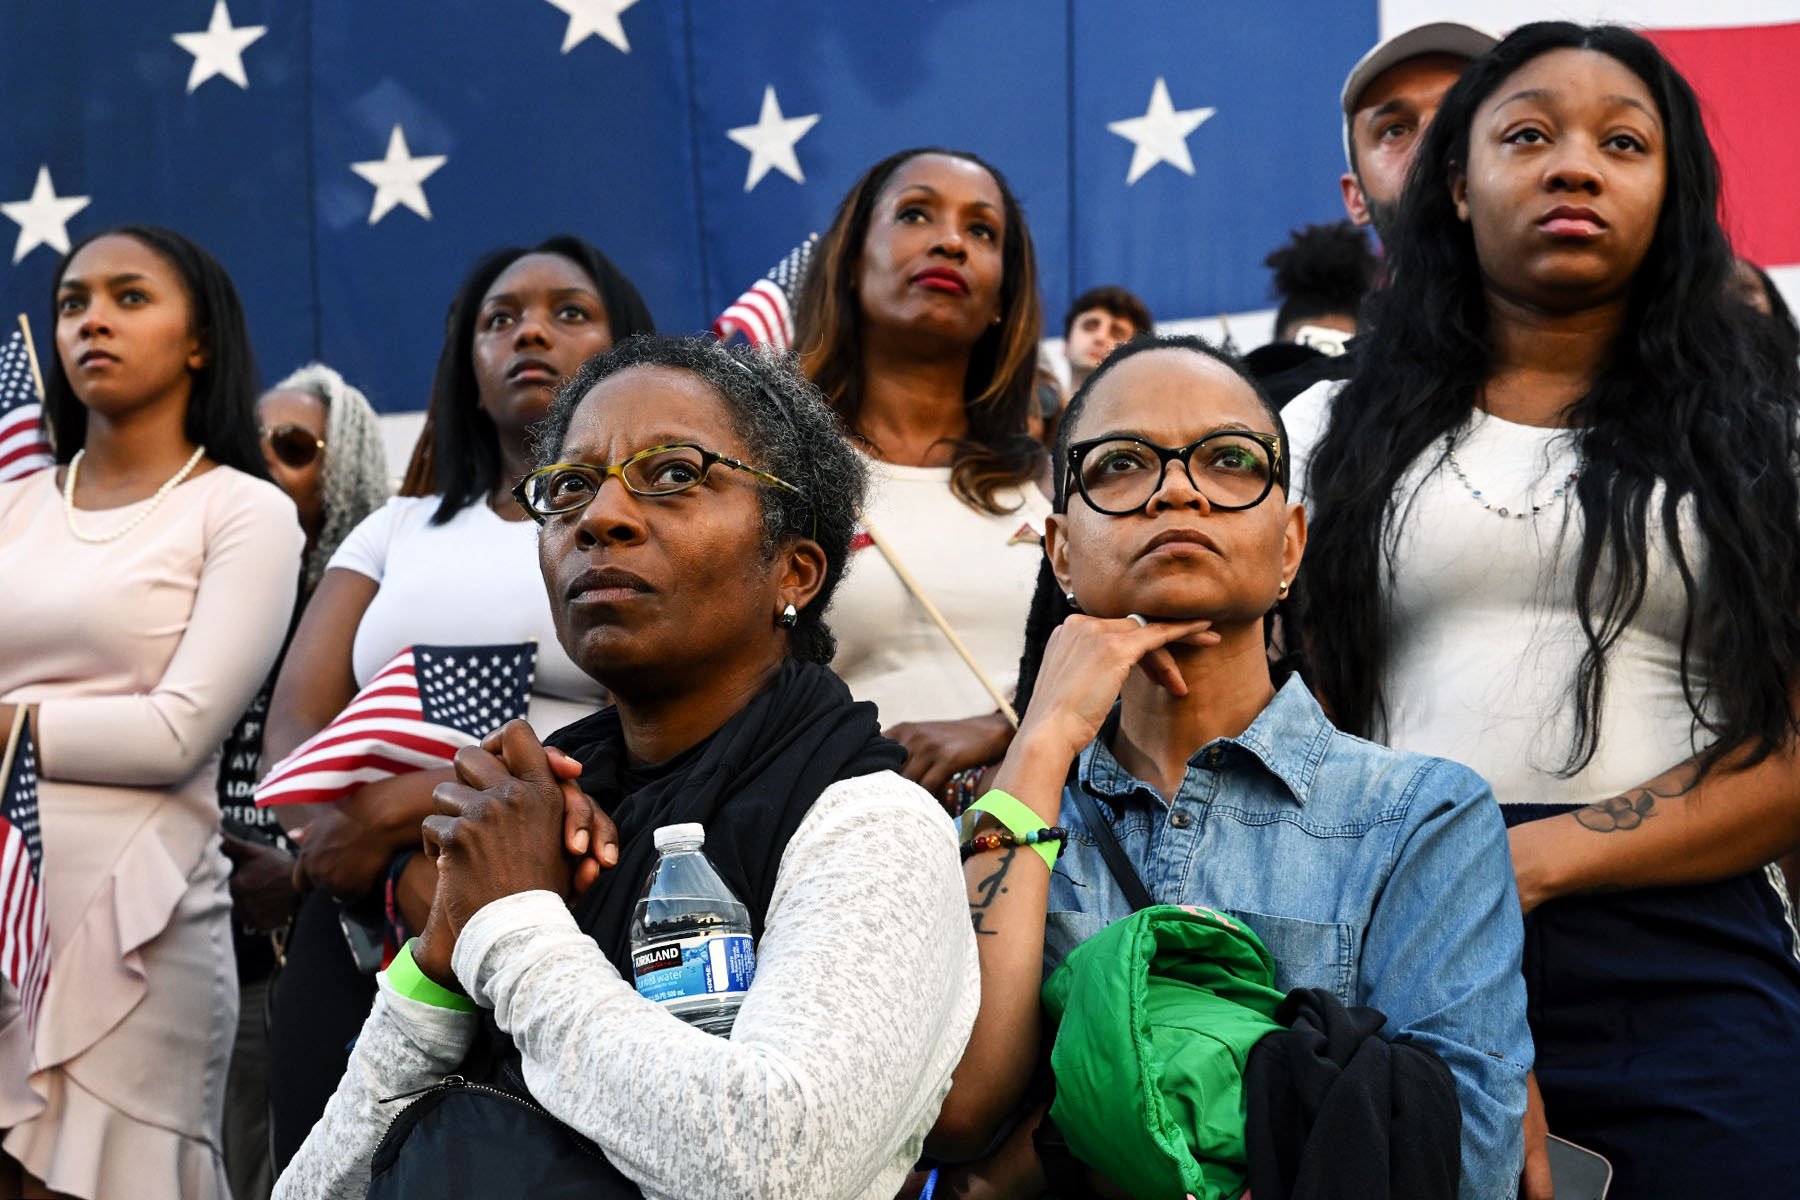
x=919 y=320
x=451 y=561
x=1556 y=535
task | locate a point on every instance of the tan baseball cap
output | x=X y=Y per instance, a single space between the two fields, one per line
x=1439 y=37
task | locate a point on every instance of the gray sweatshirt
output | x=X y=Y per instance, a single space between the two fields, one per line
x=866 y=988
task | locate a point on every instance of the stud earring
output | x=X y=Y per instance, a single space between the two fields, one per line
x=790 y=617
x=1070 y=598
x=1284 y=590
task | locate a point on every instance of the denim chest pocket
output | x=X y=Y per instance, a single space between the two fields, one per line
x=1307 y=953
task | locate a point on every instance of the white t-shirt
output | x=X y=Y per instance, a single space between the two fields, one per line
x=470 y=581
x=980 y=571
x=1485 y=639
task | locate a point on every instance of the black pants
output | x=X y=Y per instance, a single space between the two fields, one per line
x=318 y=1007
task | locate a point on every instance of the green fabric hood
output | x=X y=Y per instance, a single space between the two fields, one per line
x=1155 y=1017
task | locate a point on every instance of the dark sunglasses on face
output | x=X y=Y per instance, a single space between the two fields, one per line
x=293 y=445
x=1233 y=469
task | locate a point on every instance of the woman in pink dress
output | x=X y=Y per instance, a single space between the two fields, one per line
x=148 y=582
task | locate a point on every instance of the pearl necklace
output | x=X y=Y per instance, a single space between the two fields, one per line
x=1562 y=489
x=162 y=493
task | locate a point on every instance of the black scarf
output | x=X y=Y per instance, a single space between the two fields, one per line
x=751 y=784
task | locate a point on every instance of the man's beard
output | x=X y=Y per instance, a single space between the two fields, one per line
x=1381 y=215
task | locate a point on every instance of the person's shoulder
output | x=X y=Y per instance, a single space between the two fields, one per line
x=884 y=796
x=1307 y=414
x=243 y=490
x=403 y=515
x=1410 y=785
x=26 y=487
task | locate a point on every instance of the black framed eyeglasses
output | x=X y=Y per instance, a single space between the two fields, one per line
x=1234 y=469
x=565 y=488
x=292 y=445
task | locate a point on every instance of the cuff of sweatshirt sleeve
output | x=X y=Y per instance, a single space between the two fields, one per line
x=441 y=1033
x=405 y=979
x=518 y=913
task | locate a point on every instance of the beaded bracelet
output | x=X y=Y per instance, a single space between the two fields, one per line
x=960 y=792
x=1000 y=839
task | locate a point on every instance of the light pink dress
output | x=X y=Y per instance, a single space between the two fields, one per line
x=140 y=654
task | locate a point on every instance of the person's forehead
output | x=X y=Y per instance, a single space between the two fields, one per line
x=666 y=402
x=117 y=253
x=1102 y=314
x=955 y=178
x=1172 y=394
x=1568 y=75
x=1419 y=81
x=292 y=404
x=540 y=268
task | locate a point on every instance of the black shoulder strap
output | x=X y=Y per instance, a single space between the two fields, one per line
x=1122 y=871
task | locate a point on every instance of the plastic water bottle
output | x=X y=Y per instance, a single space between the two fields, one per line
x=691 y=949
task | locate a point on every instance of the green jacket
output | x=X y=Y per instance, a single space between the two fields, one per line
x=1155 y=1017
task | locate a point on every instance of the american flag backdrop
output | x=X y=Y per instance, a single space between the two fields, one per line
x=23 y=446
x=24 y=927
x=415 y=714
x=347 y=161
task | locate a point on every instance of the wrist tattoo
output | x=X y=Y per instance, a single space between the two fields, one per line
x=991 y=889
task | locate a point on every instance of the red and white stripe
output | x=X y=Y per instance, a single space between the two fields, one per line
x=24 y=924
x=762 y=313
x=23 y=447
x=380 y=733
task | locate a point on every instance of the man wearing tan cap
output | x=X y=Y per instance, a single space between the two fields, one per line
x=1389 y=98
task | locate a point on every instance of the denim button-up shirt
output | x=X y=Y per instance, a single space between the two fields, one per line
x=1380 y=875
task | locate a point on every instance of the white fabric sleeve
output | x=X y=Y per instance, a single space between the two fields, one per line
x=865 y=992
x=1306 y=417
x=404 y=1045
x=365 y=548
x=241 y=612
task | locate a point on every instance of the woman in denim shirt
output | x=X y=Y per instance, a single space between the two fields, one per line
x=1380 y=876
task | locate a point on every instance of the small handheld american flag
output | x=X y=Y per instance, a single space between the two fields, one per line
x=765 y=313
x=418 y=711
x=24 y=925
x=23 y=446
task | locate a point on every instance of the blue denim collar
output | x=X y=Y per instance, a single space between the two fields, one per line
x=1288 y=738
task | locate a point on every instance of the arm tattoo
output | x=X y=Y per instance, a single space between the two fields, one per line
x=1631 y=809
x=990 y=889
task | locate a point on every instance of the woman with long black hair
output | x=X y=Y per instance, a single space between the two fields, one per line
x=522 y=322
x=1557 y=537
x=149 y=580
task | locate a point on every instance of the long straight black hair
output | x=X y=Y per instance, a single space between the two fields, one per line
x=458 y=452
x=1690 y=412
x=221 y=411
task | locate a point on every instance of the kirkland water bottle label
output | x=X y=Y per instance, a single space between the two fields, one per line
x=716 y=964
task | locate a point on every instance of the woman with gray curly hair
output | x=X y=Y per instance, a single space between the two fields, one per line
x=322 y=442
x=696 y=509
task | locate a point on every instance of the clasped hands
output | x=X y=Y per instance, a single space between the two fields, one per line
x=514 y=821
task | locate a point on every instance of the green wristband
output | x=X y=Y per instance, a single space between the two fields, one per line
x=404 y=976
x=1018 y=819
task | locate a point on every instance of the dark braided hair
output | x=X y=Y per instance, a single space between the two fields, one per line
x=1692 y=412
x=1049 y=607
